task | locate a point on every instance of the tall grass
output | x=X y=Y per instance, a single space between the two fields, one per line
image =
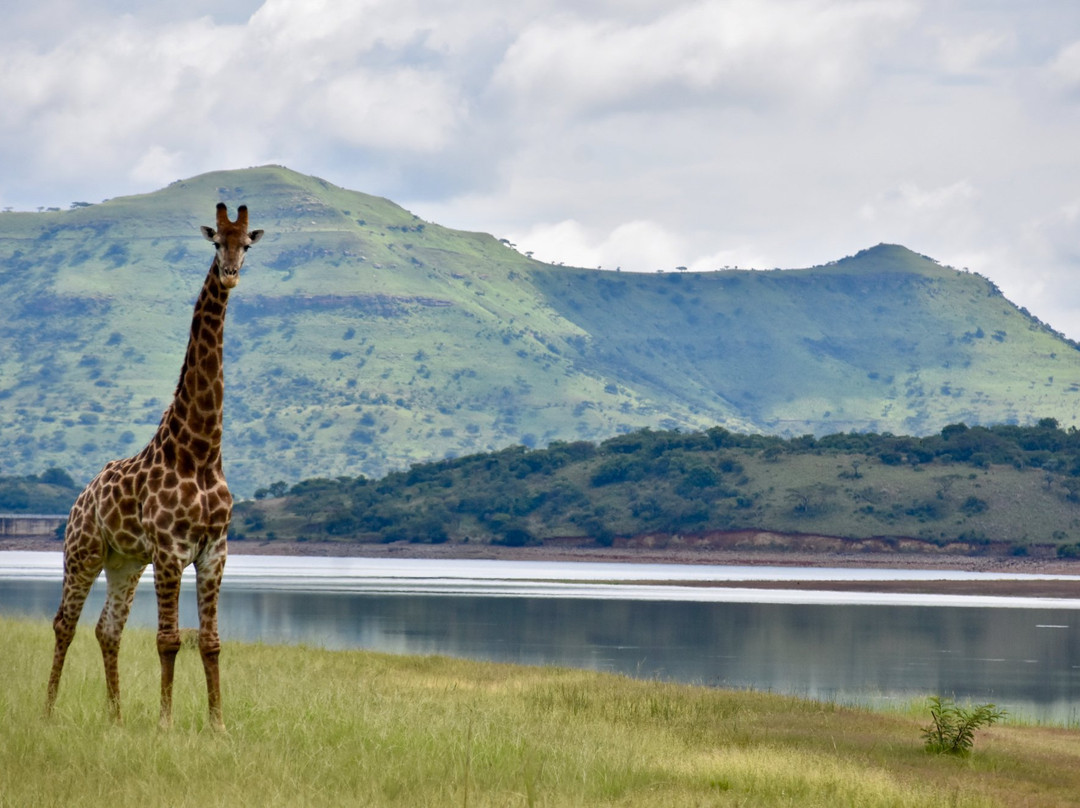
x=309 y=727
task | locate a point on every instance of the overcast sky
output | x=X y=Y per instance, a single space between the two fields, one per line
x=642 y=134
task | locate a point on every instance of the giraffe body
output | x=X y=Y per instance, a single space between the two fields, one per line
x=168 y=506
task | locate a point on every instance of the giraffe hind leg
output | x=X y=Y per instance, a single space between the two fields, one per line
x=79 y=575
x=122 y=577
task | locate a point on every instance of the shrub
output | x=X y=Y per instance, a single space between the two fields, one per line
x=952 y=728
x=515 y=536
x=973 y=505
x=613 y=471
x=57 y=476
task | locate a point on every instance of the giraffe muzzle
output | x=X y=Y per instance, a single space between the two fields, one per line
x=229 y=277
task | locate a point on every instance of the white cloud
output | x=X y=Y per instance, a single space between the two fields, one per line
x=912 y=207
x=738 y=52
x=156 y=166
x=653 y=133
x=290 y=81
x=406 y=110
x=1065 y=68
x=969 y=53
x=636 y=245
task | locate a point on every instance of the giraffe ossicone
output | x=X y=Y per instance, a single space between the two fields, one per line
x=168 y=506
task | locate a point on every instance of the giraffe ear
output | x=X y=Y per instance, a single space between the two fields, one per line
x=255 y=235
x=208 y=232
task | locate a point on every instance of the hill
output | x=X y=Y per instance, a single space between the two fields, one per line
x=363 y=340
x=999 y=490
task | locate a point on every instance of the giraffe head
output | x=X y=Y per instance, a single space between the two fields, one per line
x=231 y=239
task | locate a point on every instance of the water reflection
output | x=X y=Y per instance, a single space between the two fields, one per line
x=1027 y=660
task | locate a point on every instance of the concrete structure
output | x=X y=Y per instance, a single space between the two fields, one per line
x=30 y=524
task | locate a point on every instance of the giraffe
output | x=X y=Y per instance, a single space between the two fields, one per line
x=169 y=505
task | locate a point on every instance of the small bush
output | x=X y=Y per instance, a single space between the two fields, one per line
x=952 y=730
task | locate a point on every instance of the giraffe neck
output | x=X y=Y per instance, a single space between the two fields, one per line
x=191 y=426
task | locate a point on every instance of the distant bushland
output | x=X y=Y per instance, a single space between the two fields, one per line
x=52 y=492
x=1005 y=488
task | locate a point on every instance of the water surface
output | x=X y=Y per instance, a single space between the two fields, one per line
x=1022 y=653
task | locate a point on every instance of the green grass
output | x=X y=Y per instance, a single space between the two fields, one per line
x=313 y=727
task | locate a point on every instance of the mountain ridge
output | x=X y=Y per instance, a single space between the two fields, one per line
x=363 y=339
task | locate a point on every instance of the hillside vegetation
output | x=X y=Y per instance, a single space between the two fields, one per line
x=363 y=340
x=1003 y=489
x=51 y=492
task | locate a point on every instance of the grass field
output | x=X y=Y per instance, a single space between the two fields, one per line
x=310 y=727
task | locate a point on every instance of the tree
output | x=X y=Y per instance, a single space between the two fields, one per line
x=952 y=430
x=58 y=477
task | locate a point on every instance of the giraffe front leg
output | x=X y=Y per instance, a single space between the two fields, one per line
x=209 y=568
x=167 y=572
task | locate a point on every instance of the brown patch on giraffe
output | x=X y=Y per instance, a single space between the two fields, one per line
x=185 y=462
x=112 y=518
x=163 y=521
x=200 y=449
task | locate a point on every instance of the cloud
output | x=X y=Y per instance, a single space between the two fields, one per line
x=644 y=134
x=636 y=245
x=288 y=82
x=929 y=207
x=1065 y=68
x=156 y=166
x=970 y=53
x=406 y=110
x=94 y=99
x=728 y=52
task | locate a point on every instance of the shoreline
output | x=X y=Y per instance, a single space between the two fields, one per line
x=741 y=557
x=1040 y=588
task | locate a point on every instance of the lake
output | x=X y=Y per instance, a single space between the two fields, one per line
x=1020 y=653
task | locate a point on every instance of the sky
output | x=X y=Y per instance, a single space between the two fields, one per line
x=632 y=134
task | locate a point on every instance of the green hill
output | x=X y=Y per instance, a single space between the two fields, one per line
x=362 y=339
x=999 y=490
